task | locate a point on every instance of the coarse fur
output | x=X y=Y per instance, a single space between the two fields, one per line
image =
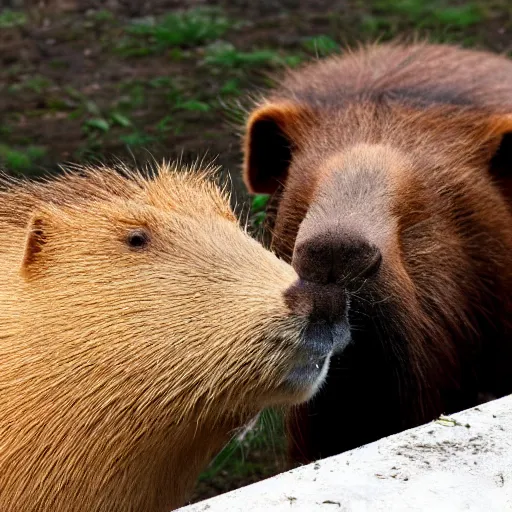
x=140 y=328
x=406 y=149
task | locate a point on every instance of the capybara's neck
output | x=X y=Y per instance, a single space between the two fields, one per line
x=132 y=456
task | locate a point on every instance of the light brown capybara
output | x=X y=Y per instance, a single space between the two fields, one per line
x=391 y=170
x=140 y=326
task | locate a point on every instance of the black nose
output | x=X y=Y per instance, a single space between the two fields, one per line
x=324 y=303
x=326 y=308
x=334 y=255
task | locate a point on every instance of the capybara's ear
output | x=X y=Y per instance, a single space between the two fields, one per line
x=36 y=239
x=272 y=134
x=501 y=153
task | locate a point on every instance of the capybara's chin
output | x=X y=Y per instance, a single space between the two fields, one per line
x=140 y=328
x=322 y=339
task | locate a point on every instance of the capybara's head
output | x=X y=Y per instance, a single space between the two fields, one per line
x=390 y=167
x=140 y=327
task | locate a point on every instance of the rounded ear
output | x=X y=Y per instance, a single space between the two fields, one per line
x=36 y=239
x=272 y=134
x=501 y=153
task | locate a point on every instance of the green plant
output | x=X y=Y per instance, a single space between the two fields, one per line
x=133 y=94
x=161 y=81
x=267 y=434
x=231 y=87
x=258 y=207
x=181 y=29
x=225 y=55
x=321 y=45
x=103 y=16
x=10 y=18
x=5 y=130
x=37 y=84
x=98 y=124
x=435 y=12
x=20 y=160
x=120 y=119
x=194 y=106
x=136 y=139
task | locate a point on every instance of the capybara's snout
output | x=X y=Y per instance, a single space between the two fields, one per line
x=331 y=262
x=335 y=255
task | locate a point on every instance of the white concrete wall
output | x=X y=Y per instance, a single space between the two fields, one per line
x=461 y=464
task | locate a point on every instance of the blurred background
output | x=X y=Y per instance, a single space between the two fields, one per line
x=89 y=80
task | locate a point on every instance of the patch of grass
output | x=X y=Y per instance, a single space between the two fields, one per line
x=435 y=12
x=267 y=433
x=376 y=25
x=258 y=209
x=98 y=124
x=183 y=29
x=102 y=16
x=321 y=45
x=5 y=130
x=134 y=94
x=58 y=64
x=161 y=81
x=120 y=119
x=10 y=18
x=20 y=160
x=225 y=55
x=194 y=106
x=36 y=84
x=231 y=87
x=460 y=16
x=292 y=61
x=136 y=139
x=59 y=103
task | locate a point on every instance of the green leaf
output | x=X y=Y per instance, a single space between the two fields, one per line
x=97 y=124
x=120 y=119
x=259 y=202
x=195 y=106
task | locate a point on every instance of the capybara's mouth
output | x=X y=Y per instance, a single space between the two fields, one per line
x=320 y=341
x=322 y=338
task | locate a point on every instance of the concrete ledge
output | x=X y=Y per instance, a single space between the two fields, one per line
x=461 y=463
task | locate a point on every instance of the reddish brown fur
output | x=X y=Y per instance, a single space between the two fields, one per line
x=123 y=370
x=410 y=147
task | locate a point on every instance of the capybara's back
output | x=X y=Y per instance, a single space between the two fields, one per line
x=139 y=327
x=392 y=173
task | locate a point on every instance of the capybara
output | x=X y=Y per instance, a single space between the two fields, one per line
x=391 y=173
x=140 y=326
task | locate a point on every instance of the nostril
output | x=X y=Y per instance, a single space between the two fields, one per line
x=298 y=299
x=312 y=260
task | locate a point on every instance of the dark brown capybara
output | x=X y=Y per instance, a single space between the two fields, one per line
x=391 y=172
x=140 y=326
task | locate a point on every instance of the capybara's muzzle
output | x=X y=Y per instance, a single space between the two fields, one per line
x=326 y=308
x=331 y=261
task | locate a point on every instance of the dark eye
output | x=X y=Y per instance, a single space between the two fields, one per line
x=138 y=239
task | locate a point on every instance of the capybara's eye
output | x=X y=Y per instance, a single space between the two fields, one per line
x=138 y=239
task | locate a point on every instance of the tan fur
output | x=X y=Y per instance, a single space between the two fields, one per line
x=122 y=371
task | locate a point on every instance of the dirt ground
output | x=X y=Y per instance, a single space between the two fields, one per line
x=91 y=79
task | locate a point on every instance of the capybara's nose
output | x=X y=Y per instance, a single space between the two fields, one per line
x=324 y=303
x=336 y=256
